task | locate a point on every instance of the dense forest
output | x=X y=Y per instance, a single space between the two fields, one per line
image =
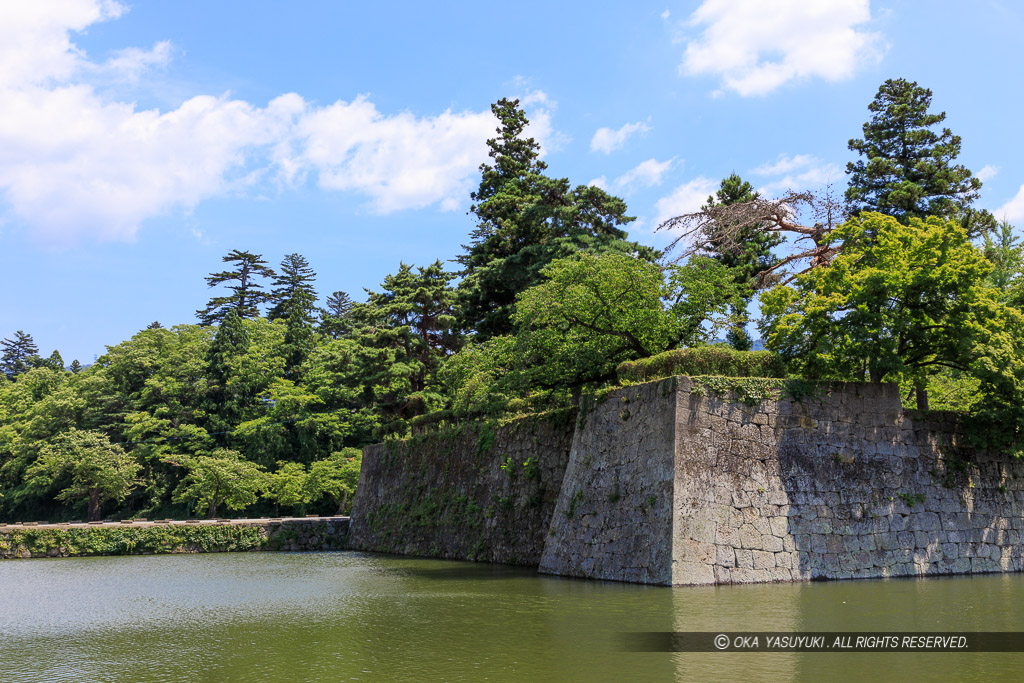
x=262 y=406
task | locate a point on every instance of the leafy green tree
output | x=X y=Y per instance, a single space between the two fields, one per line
x=525 y=220
x=899 y=301
x=485 y=377
x=247 y=293
x=334 y=317
x=76 y=367
x=1005 y=252
x=908 y=170
x=335 y=477
x=335 y=373
x=222 y=478
x=596 y=310
x=297 y=426
x=746 y=250
x=99 y=470
x=287 y=485
x=18 y=354
x=294 y=279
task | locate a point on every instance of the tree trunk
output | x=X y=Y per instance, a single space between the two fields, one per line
x=921 y=388
x=94 y=505
x=341 y=507
x=211 y=511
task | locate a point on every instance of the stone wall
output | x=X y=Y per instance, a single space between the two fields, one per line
x=141 y=537
x=614 y=517
x=840 y=484
x=483 y=491
x=682 y=482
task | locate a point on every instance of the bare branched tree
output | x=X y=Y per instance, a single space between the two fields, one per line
x=719 y=228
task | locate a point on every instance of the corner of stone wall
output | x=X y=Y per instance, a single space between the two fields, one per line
x=613 y=518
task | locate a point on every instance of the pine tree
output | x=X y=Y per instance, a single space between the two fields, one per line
x=525 y=220
x=19 y=354
x=155 y=325
x=334 y=321
x=76 y=367
x=908 y=168
x=296 y=276
x=247 y=294
x=225 y=402
x=746 y=254
x=403 y=334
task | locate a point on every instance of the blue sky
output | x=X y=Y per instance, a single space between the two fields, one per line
x=140 y=143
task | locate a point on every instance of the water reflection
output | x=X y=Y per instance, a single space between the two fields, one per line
x=340 y=616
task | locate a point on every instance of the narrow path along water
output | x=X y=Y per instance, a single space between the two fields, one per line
x=353 y=616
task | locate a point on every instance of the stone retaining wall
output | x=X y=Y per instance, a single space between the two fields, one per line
x=140 y=537
x=676 y=482
x=481 y=491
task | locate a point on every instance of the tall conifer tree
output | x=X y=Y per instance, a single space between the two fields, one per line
x=746 y=254
x=247 y=293
x=19 y=354
x=294 y=277
x=525 y=220
x=908 y=168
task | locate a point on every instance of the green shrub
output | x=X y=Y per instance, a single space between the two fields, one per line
x=703 y=360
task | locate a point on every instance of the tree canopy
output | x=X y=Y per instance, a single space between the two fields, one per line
x=247 y=293
x=908 y=169
x=526 y=220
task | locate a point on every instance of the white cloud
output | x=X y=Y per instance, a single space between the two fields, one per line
x=666 y=14
x=645 y=174
x=1012 y=210
x=686 y=198
x=607 y=140
x=798 y=172
x=987 y=173
x=130 y=63
x=77 y=162
x=400 y=161
x=755 y=46
x=786 y=164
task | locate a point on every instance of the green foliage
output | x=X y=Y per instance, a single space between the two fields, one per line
x=747 y=252
x=402 y=335
x=247 y=293
x=335 y=477
x=334 y=322
x=287 y=485
x=908 y=302
x=526 y=220
x=1006 y=254
x=749 y=391
x=702 y=360
x=221 y=478
x=99 y=471
x=911 y=499
x=899 y=300
x=19 y=354
x=908 y=169
x=293 y=287
x=595 y=311
x=102 y=540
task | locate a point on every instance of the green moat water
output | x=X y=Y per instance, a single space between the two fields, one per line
x=354 y=616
